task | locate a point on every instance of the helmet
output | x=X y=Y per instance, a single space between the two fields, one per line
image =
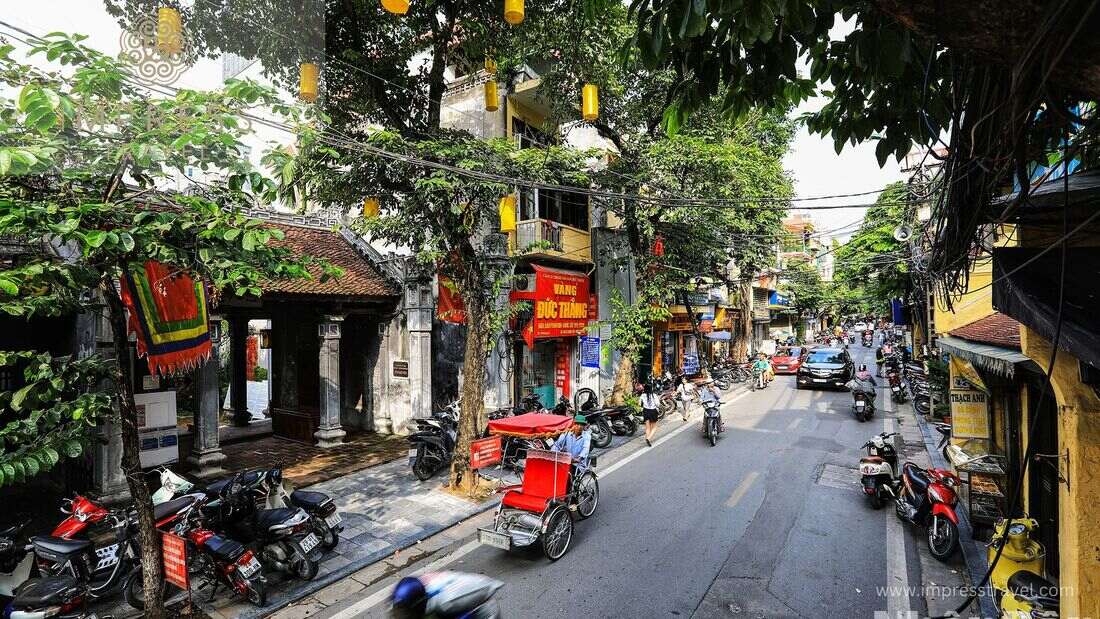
x=863 y=367
x=409 y=599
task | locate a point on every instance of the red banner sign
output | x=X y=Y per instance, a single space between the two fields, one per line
x=484 y=452
x=174 y=556
x=560 y=302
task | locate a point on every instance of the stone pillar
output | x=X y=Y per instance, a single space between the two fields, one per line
x=238 y=380
x=329 y=433
x=93 y=333
x=419 y=312
x=206 y=454
x=498 y=390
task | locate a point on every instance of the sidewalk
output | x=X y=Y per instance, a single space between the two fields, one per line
x=944 y=586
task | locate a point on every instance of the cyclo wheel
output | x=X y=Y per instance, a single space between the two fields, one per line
x=558 y=535
x=587 y=494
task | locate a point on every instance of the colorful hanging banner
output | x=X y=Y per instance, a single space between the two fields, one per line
x=168 y=315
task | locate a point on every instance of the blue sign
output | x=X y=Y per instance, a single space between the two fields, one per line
x=774 y=298
x=691 y=364
x=590 y=352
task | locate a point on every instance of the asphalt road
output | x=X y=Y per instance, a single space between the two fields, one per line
x=769 y=523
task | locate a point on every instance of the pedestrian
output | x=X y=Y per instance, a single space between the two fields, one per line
x=684 y=394
x=880 y=360
x=650 y=404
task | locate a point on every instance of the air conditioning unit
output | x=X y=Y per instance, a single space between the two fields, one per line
x=523 y=282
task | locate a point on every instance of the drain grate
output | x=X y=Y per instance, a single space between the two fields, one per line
x=842 y=477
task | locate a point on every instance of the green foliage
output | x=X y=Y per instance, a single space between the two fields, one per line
x=802 y=282
x=259 y=373
x=51 y=415
x=871 y=267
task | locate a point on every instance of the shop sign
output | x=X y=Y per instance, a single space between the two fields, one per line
x=484 y=452
x=691 y=364
x=679 y=322
x=590 y=352
x=776 y=300
x=401 y=369
x=965 y=376
x=174 y=557
x=561 y=369
x=561 y=304
x=969 y=413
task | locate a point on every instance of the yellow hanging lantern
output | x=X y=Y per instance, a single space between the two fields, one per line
x=370 y=207
x=508 y=213
x=492 y=101
x=307 y=81
x=513 y=12
x=169 y=31
x=397 y=7
x=490 y=66
x=590 y=102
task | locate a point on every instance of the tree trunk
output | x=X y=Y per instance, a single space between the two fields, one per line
x=148 y=538
x=474 y=369
x=739 y=349
x=624 y=377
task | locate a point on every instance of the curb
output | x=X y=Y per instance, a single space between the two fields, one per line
x=973 y=551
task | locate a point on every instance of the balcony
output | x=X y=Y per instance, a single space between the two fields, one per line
x=551 y=240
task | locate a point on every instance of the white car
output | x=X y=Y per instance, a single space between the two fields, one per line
x=860 y=327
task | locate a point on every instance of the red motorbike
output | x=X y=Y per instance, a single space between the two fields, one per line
x=928 y=499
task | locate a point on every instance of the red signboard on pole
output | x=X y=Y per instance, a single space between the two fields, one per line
x=174 y=556
x=484 y=452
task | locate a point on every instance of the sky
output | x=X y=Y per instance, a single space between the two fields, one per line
x=813 y=164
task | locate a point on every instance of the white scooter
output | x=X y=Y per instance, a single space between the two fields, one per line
x=878 y=470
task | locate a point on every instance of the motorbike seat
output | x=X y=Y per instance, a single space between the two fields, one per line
x=267 y=518
x=224 y=548
x=44 y=592
x=57 y=549
x=1034 y=588
x=310 y=501
x=14 y=529
x=917 y=477
x=870 y=460
x=175 y=506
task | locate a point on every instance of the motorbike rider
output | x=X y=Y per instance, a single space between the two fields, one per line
x=863 y=382
x=576 y=443
x=445 y=594
x=709 y=396
x=761 y=364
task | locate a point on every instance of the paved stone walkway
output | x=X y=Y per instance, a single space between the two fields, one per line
x=305 y=465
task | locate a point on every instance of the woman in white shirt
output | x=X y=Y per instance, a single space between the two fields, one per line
x=685 y=393
x=650 y=405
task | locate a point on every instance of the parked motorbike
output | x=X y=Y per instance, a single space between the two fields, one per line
x=432 y=444
x=878 y=470
x=1020 y=553
x=897 y=389
x=283 y=537
x=600 y=428
x=1029 y=596
x=621 y=419
x=927 y=499
x=214 y=558
x=16 y=558
x=712 y=422
x=100 y=563
x=58 y=597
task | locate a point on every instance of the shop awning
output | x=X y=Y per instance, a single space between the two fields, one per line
x=721 y=336
x=1000 y=361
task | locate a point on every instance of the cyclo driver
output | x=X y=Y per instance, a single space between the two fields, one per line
x=576 y=442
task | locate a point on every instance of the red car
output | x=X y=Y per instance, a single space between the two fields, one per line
x=788 y=360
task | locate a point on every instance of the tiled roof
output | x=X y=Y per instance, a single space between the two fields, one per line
x=361 y=278
x=996 y=329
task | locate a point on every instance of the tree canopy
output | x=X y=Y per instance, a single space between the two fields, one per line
x=871 y=268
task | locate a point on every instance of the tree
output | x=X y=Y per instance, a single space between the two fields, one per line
x=802 y=282
x=84 y=153
x=870 y=267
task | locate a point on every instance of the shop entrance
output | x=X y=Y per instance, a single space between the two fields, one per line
x=1043 y=474
x=545 y=370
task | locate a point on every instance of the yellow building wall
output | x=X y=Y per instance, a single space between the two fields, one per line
x=970 y=306
x=1079 y=500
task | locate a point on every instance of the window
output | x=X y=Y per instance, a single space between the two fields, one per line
x=527 y=205
x=529 y=136
x=826 y=356
x=565 y=207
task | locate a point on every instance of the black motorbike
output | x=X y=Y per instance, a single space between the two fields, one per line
x=58 y=597
x=621 y=419
x=712 y=421
x=432 y=444
x=868 y=341
x=282 y=537
x=269 y=488
x=598 y=425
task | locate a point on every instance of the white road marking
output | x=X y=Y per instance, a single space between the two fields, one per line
x=383 y=594
x=742 y=489
x=897 y=573
x=794 y=424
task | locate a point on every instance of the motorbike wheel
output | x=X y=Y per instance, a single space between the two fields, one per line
x=601 y=434
x=630 y=427
x=876 y=500
x=667 y=406
x=306 y=568
x=255 y=591
x=558 y=535
x=588 y=494
x=133 y=590
x=712 y=430
x=329 y=537
x=943 y=538
x=421 y=467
